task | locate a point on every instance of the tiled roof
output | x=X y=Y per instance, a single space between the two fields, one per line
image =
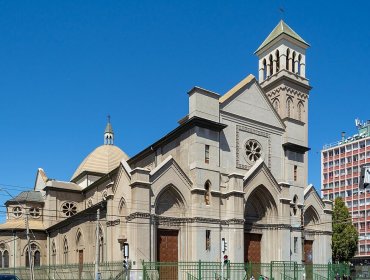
x=102 y=160
x=29 y=196
x=281 y=28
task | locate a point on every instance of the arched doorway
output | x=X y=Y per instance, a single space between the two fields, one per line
x=311 y=219
x=260 y=211
x=169 y=204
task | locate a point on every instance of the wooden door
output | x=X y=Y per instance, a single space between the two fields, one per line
x=167 y=254
x=252 y=252
x=308 y=257
x=252 y=247
x=80 y=263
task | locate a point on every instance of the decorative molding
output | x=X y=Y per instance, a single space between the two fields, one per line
x=164 y=220
x=238 y=145
x=294 y=92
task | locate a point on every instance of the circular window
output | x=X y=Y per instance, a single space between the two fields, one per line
x=35 y=212
x=69 y=209
x=253 y=150
x=17 y=211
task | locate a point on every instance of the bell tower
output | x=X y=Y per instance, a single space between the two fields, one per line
x=282 y=72
x=282 y=76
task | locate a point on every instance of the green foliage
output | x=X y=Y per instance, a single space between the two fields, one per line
x=345 y=235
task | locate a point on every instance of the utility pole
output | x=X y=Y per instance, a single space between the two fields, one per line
x=30 y=261
x=97 y=246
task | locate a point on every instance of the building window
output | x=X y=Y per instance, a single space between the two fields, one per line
x=53 y=253
x=35 y=212
x=206 y=154
x=208 y=240
x=264 y=69
x=295 y=173
x=4 y=256
x=287 y=59
x=35 y=256
x=277 y=61
x=207 y=194
x=295 y=244
x=69 y=209
x=65 y=251
x=253 y=150
x=289 y=107
x=17 y=212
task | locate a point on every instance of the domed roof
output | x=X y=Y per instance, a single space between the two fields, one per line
x=102 y=160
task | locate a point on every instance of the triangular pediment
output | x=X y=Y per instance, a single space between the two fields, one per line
x=312 y=197
x=169 y=173
x=247 y=100
x=260 y=174
x=41 y=179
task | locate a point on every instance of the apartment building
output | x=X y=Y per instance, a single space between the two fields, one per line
x=341 y=164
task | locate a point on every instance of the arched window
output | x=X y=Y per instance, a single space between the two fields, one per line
x=271 y=65
x=293 y=62
x=295 y=206
x=35 y=256
x=299 y=64
x=277 y=61
x=5 y=259
x=264 y=69
x=207 y=194
x=65 y=251
x=276 y=105
x=300 y=111
x=287 y=59
x=289 y=105
x=53 y=253
x=101 y=245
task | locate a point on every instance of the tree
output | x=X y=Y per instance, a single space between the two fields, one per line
x=345 y=235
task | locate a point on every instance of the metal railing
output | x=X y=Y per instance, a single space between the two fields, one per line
x=241 y=271
x=108 y=271
x=186 y=271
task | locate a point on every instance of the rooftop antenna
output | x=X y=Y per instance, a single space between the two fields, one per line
x=358 y=122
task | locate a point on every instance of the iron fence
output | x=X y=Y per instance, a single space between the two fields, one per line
x=186 y=271
x=241 y=271
x=107 y=270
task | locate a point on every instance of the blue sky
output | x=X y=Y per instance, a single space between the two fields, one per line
x=65 y=65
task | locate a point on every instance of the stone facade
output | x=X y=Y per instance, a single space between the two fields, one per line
x=235 y=169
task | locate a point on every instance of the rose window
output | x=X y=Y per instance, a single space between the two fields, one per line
x=253 y=150
x=35 y=212
x=69 y=209
x=17 y=211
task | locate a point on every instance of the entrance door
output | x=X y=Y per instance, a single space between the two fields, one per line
x=80 y=262
x=308 y=258
x=167 y=254
x=252 y=247
x=252 y=252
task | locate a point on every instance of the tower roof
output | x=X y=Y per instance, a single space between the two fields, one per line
x=281 y=28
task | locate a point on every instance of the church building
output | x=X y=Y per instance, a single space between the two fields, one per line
x=234 y=169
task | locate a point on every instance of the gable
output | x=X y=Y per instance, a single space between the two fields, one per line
x=169 y=173
x=40 y=181
x=247 y=100
x=258 y=175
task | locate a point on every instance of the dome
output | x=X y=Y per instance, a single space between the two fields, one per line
x=102 y=160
